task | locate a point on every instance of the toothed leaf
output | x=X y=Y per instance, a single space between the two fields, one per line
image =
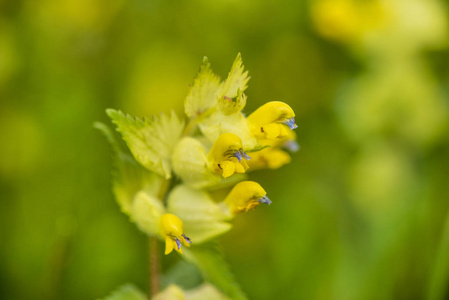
x=150 y=141
x=204 y=91
x=129 y=177
x=232 y=105
x=191 y=165
x=237 y=79
x=214 y=269
x=203 y=219
x=146 y=212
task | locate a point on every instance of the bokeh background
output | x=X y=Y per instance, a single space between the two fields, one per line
x=360 y=213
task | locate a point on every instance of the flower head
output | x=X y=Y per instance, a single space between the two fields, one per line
x=272 y=120
x=172 y=229
x=274 y=156
x=227 y=156
x=245 y=196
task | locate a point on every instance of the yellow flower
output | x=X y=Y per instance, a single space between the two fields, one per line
x=273 y=157
x=172 y=229
x=245 y=196
x=347 y=20
x=227 y=156
x=269 y=120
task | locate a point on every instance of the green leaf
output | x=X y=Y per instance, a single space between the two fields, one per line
x=232 y=105
x=204 y=91
x=206 y=291
x=129 y=177
x=203 y=218
x=184 y=274
x=151 y=141
x=237 y=79
x=146 y=212
x=127 y=292
x=219 y=123
x=172 y=292
x=191 y=165
x=214 y=269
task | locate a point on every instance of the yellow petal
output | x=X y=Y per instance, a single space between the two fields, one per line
x=277 y=158
x=244 y=196
x=228 y=168
x=168 y=245
x=272 y=130
x=239 y=168
x=183 y=241
x=271 y=158
x=271 y=112
x=284 y=131
x=224 y=147
x=171 y=225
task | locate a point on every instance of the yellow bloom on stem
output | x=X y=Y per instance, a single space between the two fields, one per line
x=172 y=229
x=227 y=156
x=274 y=157
x=269 y=120
x=245 y=196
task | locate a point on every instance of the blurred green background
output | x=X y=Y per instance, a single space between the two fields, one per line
x=360 y=213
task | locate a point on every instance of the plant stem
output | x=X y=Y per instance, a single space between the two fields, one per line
x=193 y=122
x=154 y=266
x=154 y=255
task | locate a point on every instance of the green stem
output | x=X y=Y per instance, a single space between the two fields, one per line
x=190 y=126
x=154 y=255
x=154 y=266
x=193 y=122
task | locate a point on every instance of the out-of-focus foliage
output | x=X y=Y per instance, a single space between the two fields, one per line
x=363 y=208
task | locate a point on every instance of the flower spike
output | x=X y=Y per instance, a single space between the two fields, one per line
x=172 y=230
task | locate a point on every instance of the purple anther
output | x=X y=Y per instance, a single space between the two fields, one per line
x=178 y=242
x=187 y=239
x=291 y=123
x=238 y=154
x=244 y=155
x=265 y=200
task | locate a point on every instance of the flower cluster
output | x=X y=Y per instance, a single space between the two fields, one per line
x=214 y=150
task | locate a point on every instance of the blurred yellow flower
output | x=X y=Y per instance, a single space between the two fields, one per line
x=273 y=156
x=347 y=20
